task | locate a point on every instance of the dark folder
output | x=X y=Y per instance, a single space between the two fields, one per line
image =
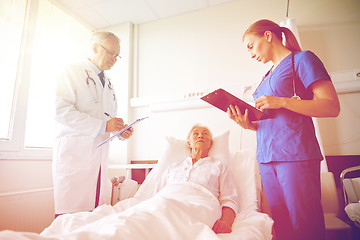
x=223 y=99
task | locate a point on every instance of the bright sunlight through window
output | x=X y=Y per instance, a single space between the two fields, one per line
x=12 y=18
x=58 y=40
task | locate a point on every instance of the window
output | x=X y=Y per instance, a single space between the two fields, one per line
x=36 y=39
x=12 y=22
x=58 y=40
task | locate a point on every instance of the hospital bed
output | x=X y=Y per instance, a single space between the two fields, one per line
x=249 y=223
x=351 y=189
x=159 y=219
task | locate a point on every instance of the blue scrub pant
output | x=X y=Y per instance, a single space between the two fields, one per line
x=293 y=191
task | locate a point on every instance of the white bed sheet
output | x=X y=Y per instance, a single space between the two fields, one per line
x=249 y=224
x=167 y=216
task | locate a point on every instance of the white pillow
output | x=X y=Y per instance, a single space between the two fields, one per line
x=242 y=164
x=177 y=150
x=245 y=170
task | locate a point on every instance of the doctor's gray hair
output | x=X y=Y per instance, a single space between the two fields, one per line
x=195 y=126
x=101 y=36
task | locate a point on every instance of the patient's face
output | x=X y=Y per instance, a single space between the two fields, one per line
x=200 y=137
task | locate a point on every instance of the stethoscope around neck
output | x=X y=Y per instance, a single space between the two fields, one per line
x=90 y=79
x=295 y=96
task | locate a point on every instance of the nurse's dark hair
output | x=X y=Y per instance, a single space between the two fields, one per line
x=101 y=36
x=260 y=27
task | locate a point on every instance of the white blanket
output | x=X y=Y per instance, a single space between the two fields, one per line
x=167 y=216
x=179 y=211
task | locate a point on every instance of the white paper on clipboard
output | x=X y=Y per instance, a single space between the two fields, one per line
x=123 y=130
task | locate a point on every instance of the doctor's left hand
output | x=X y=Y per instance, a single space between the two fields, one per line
x=128 y=133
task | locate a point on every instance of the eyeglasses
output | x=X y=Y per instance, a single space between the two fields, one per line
x=114 y=55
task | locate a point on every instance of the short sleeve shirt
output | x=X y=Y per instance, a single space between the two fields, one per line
x=286 y=135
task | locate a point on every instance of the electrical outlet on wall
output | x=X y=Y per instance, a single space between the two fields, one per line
x=346 y=81
x=357 y=74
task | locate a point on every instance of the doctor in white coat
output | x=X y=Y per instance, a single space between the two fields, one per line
x=84 y=109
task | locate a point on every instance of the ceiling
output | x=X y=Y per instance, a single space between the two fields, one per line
x=102 y=13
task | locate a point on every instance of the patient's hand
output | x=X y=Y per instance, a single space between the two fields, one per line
x=221 y=226
x=224 y=224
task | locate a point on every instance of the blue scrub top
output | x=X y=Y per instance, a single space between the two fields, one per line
x=286 y=135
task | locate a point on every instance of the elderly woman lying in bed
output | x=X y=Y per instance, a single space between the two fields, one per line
x=194 y=199
x=213 y=175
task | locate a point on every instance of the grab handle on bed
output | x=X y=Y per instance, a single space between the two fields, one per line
x=117 y=180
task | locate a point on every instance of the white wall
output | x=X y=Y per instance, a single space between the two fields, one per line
x=203 y=50
x=337 y=44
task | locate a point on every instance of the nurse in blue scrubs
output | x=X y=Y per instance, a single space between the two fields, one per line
x=296 y=88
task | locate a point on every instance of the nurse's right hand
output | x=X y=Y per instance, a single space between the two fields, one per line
x=242 y=120
x=114 y=124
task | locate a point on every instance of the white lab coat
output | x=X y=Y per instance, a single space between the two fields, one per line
x=80 y=109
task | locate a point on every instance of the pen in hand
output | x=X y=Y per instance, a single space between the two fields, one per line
x=108 y=115
x=114 y=124
x=117 y=124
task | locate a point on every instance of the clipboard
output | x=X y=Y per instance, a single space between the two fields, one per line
x=120 y=132
x=223 y=99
